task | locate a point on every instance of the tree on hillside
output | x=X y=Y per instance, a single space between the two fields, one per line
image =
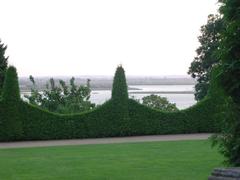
x=206 y=58
x=229 y=54
x=159 y=103
x=3 y=64
x=62 y=98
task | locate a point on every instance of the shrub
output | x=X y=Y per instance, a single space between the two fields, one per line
x=11 y=90
x=11 y=126
x=61 y=98
x=120 y=100
x=106 y=120
x=102 y=122
x=159 y=103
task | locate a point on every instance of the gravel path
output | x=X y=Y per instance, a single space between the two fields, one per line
x=110 y=140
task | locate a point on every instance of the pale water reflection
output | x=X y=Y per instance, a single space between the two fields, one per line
x=174 y=93
x=181 y=100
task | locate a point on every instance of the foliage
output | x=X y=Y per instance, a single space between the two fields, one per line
x=198 y=118
x=206 y=58
x=229 y=77
x=61 y=98
x=103 y=121
x=120 y=99
x=107 y=120
x=228 y=140
x=159 y=103
x=10 y=122
x=11 y=92
x=3 y=64
x=230 y=49
x=119 y=89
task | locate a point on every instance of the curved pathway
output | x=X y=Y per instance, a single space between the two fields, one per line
x=109 y=140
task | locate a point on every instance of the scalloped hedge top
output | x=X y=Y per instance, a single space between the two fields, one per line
x=120 y=116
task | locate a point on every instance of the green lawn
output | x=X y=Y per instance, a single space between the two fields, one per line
x=180 y=160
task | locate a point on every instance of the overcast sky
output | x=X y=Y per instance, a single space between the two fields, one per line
x=73 y=37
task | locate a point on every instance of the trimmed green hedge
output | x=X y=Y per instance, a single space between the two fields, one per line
x=196 y=119
x=38 y=124
x=105 y=121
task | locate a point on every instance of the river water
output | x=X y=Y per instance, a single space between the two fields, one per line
x=181 y=95
x=174 y=93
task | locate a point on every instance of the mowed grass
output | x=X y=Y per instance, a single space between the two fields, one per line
x=178 y=160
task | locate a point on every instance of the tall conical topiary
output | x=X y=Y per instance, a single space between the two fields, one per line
x=120 y=101
x=119 y=89
x=11 y=125
x=11 y=92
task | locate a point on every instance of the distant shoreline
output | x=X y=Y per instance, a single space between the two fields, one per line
x=92 y=89
x=162 y=92
x=140 y=92
x=104 y=84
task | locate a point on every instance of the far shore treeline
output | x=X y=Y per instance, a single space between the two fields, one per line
x=105 y=82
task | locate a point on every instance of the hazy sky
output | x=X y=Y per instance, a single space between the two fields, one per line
x=73 y=37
